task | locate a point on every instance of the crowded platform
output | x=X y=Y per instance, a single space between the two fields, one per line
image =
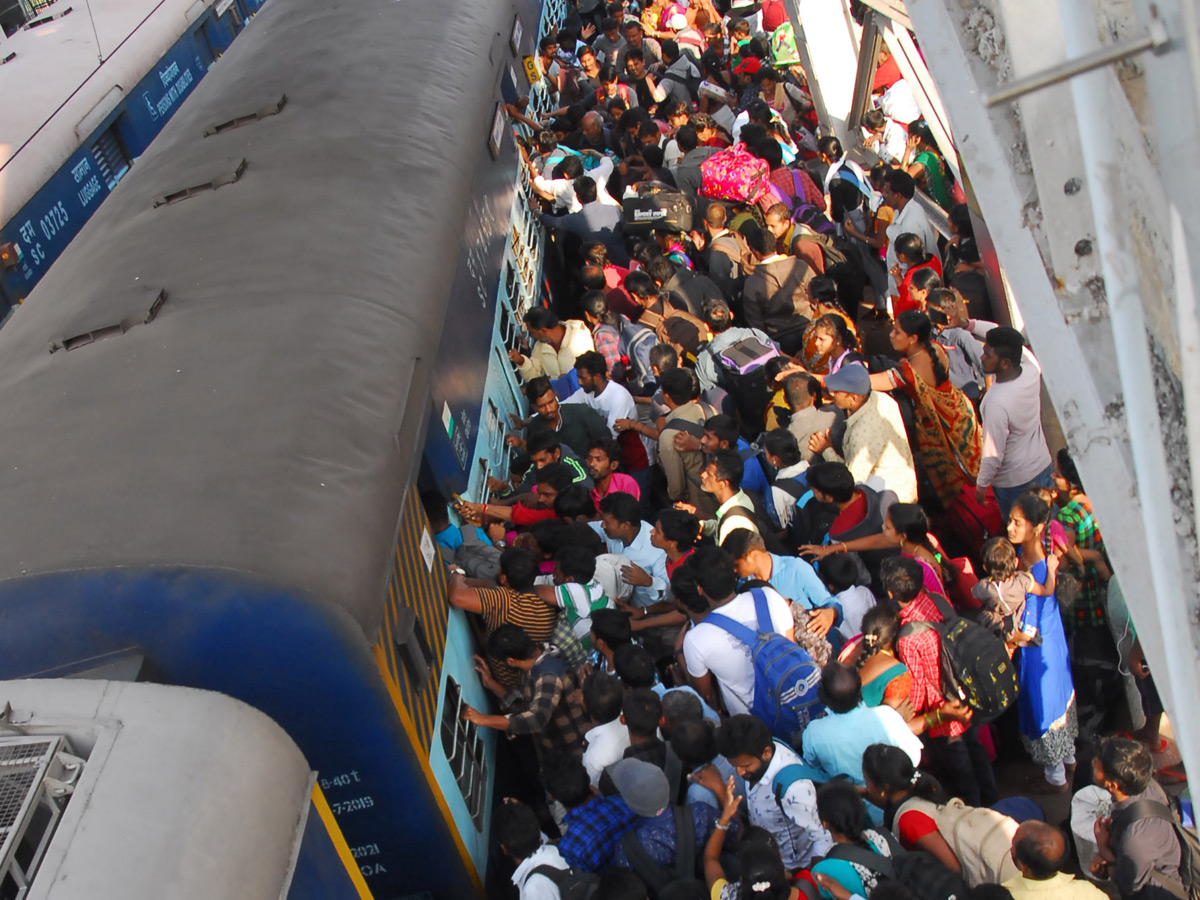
x=789 y=591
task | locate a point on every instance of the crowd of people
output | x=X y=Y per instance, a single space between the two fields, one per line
x=784 y=563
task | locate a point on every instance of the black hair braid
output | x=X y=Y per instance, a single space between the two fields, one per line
x=940 y=373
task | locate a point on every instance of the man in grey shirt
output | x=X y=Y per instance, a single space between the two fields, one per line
x=610 y=46
x=595 y=222
x=1015 y=456
x=800 y=392
x=1137 y=846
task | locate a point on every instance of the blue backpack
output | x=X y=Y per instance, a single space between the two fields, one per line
x=785 y=676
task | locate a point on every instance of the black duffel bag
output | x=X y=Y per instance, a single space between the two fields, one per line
x=657 y=205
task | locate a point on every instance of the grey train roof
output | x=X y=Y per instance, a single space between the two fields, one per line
x=255 y=422
x=184 y=793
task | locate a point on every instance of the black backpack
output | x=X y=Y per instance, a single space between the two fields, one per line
x=572 y=884
x=975 y=666
x=918 y=871
x=741 y=371
x=811 y=520
x=655 y=876
x=1189 y=846
x=861 y=856
x=843 y=263
x=924 y=875
x=765 y=527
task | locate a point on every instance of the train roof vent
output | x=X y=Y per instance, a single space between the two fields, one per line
x=270 y=109
x=49 y=17
x=229 y=177
x=92 y=333
x=37 y=777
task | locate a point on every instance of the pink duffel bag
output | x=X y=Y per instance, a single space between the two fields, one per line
x=734 y=174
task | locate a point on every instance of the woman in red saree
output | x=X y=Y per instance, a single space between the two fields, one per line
x=949 y=438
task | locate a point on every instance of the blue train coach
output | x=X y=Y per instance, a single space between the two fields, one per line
x=217 y=400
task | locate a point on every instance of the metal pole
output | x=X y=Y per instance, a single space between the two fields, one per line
x=1155 y=39
x=868 y=60
x=1172 y=604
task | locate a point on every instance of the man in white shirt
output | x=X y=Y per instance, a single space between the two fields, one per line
x=712 y=655
x=557 y=344
x=780 y=795
x=1015 y=456
x=884 y=136
x=516 y=828
x=609 y=399
x=875 y=443
x=558 y=185
x=899 y=188
x=608 y=740
x=722 y=480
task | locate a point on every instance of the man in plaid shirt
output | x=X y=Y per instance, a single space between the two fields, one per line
x=593 y=824
x=547 y=704
x=945 y=721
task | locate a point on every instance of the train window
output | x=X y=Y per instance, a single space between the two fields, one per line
x=495 y=428
x=508 y=87
x=111 y=156
x=412 y=647
x=509 y=332
x=463 y=745
x=200 y=35
x=510 y=283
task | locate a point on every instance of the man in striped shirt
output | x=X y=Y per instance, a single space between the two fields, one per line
x=512 y=602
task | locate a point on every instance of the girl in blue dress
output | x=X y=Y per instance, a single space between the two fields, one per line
x=1046 y=694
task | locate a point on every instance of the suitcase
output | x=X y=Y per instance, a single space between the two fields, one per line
x=973 y=523
x=657 y=206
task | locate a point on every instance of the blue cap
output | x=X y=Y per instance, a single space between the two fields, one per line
x=852 y=378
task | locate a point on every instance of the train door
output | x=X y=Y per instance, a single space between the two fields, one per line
x=520 y=288
x=217 y=33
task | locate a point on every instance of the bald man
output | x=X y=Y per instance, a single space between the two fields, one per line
x=591 y=135
x=1040 y=852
